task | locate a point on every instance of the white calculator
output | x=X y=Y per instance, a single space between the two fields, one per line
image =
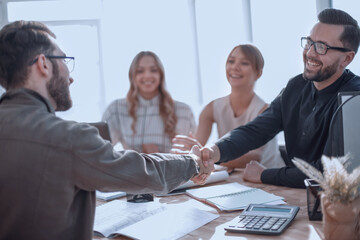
x=263 y=219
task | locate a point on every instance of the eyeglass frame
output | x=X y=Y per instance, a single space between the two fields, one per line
x=59 y=57
x=327 y=46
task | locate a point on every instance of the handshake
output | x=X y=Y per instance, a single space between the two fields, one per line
x=205 y=158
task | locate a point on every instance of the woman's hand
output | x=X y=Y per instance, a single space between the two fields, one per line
x=183 y=144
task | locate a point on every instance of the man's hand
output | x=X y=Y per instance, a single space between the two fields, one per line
x=183 y=144
x=253 y=172
x=210 y=155
x=205 y=171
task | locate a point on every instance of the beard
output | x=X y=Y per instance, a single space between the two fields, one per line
x=322 y=74
x=58 y=88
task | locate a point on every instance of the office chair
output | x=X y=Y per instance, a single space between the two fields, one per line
x=345 y=129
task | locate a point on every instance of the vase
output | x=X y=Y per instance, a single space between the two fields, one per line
x=341 y=221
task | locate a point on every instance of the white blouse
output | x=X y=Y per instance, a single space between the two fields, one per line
x=226 y=121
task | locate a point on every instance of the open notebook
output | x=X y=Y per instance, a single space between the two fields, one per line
x=233 y=196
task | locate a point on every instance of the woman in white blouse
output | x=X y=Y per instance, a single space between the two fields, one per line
x=244 y=67
x=148 y=118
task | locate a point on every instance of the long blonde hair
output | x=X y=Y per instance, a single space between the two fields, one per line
x=166 y=103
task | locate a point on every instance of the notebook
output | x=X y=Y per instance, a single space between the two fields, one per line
x=233 y=196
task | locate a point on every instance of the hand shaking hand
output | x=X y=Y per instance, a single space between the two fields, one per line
x=206 y=168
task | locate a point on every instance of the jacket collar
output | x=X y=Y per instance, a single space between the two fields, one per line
x=26 y=96
x=334 y=87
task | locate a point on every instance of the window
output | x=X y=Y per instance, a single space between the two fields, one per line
x=78 y=35
x=105 y=35
x=277 y=33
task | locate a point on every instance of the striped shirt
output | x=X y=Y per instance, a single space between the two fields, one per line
x=149 y=125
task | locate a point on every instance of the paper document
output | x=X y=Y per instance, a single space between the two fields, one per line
x=233 y=196
x=150 y=220
x=113 y=216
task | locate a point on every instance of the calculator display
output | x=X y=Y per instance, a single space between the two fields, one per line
x=270 y=209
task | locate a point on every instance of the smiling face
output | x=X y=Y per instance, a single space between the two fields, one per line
x=147 y=77
x=324 y=69
x=239 y=70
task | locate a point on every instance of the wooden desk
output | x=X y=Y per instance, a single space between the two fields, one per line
x=301 y=227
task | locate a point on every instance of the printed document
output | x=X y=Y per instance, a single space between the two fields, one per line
x=150 y=219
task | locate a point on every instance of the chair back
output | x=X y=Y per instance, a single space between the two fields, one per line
x=345 y=129
x=103 y=129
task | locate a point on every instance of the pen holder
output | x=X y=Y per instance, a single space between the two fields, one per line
x=139 y=198
x=313 y=199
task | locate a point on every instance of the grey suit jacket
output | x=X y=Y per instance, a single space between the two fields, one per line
x=50 y=168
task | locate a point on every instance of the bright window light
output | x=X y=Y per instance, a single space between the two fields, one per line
x=54 y=10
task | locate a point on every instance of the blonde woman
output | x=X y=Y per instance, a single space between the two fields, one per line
x=244 y=67
x=148 y=118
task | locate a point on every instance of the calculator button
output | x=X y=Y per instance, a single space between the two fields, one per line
x=266 y=227
x=250 y=225
x=276 y=227
x=274 y=219
x=257 y=226
x=240 y=225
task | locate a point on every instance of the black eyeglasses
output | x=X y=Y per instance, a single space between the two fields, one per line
x=69 y=61
x=320 y=47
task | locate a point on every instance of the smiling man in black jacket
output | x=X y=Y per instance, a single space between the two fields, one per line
x=304 y=108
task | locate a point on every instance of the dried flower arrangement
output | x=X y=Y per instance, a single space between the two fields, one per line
x=336 y=182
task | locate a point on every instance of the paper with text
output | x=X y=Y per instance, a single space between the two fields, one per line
x=151 y=219
x=173 y=223
x=113 y=216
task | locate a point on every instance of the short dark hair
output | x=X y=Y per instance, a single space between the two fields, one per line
x=350 y=37
x=20 y=42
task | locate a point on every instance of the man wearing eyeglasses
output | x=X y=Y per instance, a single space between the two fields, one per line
x=304 y=108
x=49 y=167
